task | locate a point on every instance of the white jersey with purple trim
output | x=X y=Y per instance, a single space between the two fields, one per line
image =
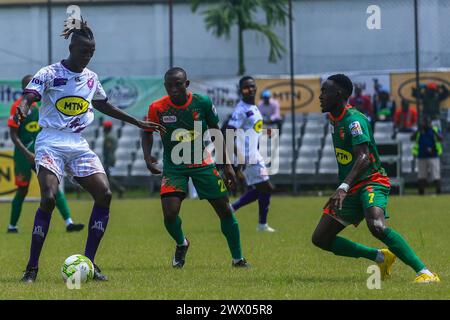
x=66 y=97
x=248 y=117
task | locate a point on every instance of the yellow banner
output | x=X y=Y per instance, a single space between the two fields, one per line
x=402 y=85
x=7 y=180
x=306 y=93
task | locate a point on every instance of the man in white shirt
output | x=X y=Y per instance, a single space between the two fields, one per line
x=247 y=116
x=69 y=92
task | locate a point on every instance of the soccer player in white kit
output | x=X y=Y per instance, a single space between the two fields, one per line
x=247 y=116
x=69 y=92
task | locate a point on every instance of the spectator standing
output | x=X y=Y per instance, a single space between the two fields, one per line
x=431 y=95
x=384 y=106
x=362 y=103
x=405 y=118
x=270 y=110
x=428 y=149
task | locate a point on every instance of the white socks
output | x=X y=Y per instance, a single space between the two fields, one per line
x=185 y=243
x=68 y=221
x=426 y=271
x=380 y=257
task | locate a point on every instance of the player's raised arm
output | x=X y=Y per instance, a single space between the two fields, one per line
x=105 y=107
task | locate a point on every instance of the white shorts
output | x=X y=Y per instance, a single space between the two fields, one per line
x=256 y=173
x=429 y=167
x=60 y=151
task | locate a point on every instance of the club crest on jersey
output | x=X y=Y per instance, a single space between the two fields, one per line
x=72 y=105
x=169 y=119
x=184 y=135
x=258 y=126
x=343 y=157
x=355 y=129
x=90 y=83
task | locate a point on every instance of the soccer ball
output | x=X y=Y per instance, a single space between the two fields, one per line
x=77 y=267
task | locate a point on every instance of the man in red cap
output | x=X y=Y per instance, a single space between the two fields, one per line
x=109 y=158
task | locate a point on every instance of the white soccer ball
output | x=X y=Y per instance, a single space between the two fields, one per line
x=77 y=268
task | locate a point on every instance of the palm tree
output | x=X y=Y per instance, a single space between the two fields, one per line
x=222 y=16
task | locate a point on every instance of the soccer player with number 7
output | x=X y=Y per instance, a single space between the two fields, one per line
x=364 y=188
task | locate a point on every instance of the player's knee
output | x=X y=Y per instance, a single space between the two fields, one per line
x=22 y=191
x=377 y=228
x=104 y=197
x=48 y=200
x=320 y=242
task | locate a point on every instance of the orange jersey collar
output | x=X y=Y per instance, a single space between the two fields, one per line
x=188 y=102
x=339 y=117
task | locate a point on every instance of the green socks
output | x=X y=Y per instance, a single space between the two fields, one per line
x=230 y=228
x=61 y=204
x=402 y=250
x=393 y=240
x=16 y=208
x=175 y=231
x=347 y=248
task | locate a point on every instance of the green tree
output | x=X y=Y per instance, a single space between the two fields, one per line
x=224 y=14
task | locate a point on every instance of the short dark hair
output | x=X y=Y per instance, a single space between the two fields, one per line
x=70 y=28
x=175 y=70
x=25 y=82
x=343 y=82
x=244 y=78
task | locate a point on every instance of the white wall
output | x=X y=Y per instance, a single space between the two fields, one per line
x=330 y=35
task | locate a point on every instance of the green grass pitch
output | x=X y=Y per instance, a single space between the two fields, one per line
x=136 y=254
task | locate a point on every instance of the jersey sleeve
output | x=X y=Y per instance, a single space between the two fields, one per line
x=237 y=119
x=11 y=122
x=212 y=118
x=359 y=131
x=100 y=93
x=38 y=83
x=152 y=116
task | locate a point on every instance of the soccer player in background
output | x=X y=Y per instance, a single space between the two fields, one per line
x=181 y=113
x=23 y=137
x=364 y=188
x=247 y=116
x=69 y=92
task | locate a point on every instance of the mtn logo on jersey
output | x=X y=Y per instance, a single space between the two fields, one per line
x=355 y=129
x=185 y=135
x=169 y=119
x=343 y=157
x=72 y=105
x=32 y=126
x=258 y=126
